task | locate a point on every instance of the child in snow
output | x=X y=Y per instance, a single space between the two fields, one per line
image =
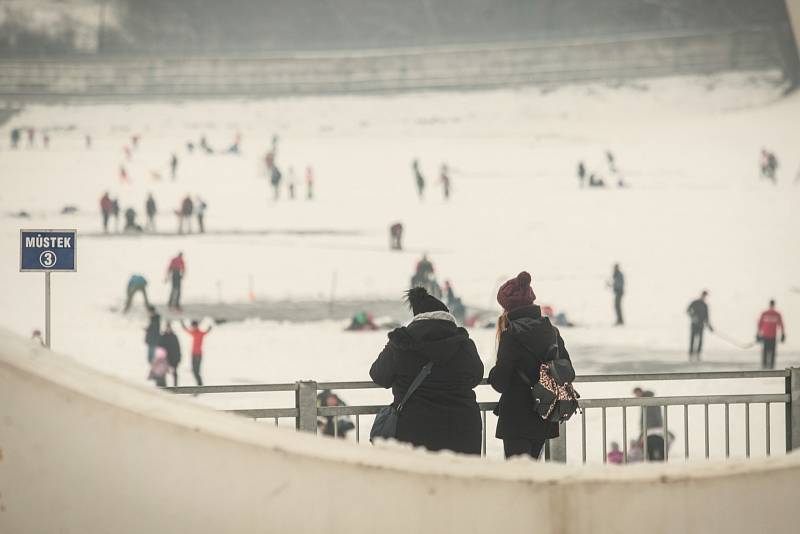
x=159 y=367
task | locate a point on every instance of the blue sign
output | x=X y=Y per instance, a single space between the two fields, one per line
x=47 y=250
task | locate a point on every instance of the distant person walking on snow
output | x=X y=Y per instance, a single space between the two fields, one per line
x=768 y=325
x=618 y=285
x=136 y=284
x=698 y=314
x=581 y=173
x=106 y=206
x=309 y=183
x=173 y=166
x=396 y=236
x=201 y=214
x=169 y=341
x=420 y=180
x=152 y=332
x=612 y=165
x=275 y=179
x=150 y=210
x=175 y=273
x=185 y=215
x=115 y=214
x=769 y=165
x=197 y=347
x=444 y=176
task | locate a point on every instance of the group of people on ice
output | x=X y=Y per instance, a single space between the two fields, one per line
x=588 y=178
x=276 y=177
x=420 y=182
x=176 y=270
x=164 y=348
x=186 y=211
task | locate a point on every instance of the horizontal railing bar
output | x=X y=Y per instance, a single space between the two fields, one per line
x=692 y=400
x=349 y=410
x=265 y=412
x=240 y=388
x=640 y=377
x=347 y=385
x=596 y=403
x=708 y=375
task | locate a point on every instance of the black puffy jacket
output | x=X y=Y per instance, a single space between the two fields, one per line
x=523 y=347
x=442 y=413
x=171 y=344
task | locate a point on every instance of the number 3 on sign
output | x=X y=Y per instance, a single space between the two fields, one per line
x=47 y=258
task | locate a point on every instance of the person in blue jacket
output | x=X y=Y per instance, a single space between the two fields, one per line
x=136 y=284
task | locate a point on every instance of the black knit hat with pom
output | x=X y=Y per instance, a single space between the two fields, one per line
x=420 y=301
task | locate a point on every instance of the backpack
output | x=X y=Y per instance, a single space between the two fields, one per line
x=554 y=398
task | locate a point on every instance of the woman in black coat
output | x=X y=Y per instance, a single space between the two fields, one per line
x=442 y=413
x=525 y=339
x=169 y=341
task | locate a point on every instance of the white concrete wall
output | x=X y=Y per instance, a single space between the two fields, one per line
x=793 y=8
x=85 y=453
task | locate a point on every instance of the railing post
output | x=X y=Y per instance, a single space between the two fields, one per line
x=305 y=400
x=793 y=409
x=558 y=446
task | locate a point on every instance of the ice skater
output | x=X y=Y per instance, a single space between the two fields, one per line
x=275 y=180
x=197 y=347
x=115 y=214
x=444 y=177
x=106 y=206
x=618 y=286
x=201 y=214
x=309 y=183
x=769 y=165
x=420 y=180
x=768 y=325
x=698 y=315
x=175 y=273
x=173 y=166
x=185 y=214
x=396 y=236
x=150 y=210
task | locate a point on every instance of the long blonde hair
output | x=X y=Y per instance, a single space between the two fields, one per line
x=502 y=326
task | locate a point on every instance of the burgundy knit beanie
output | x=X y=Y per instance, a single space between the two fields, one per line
x=516 y=293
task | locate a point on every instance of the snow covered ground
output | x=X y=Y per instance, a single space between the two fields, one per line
x=694 y=216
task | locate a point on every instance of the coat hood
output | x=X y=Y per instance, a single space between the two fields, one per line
x=531 y=330
x=436 y=339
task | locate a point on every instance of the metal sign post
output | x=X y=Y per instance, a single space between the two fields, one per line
x=47 y=251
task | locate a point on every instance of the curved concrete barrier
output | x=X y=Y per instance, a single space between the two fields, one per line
x=81 y=452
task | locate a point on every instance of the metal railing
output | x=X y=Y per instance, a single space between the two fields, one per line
x=305 y=411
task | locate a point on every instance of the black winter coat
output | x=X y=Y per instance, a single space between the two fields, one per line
x=153 y=332
x=172 y=346
x=442 y=413
x=523 y=347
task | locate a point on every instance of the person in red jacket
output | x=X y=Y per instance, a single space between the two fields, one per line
x=767 y=334
x=175 y=272
x=197 y=347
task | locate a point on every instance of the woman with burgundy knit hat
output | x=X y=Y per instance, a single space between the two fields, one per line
x=442 y=413
x=524 y=339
